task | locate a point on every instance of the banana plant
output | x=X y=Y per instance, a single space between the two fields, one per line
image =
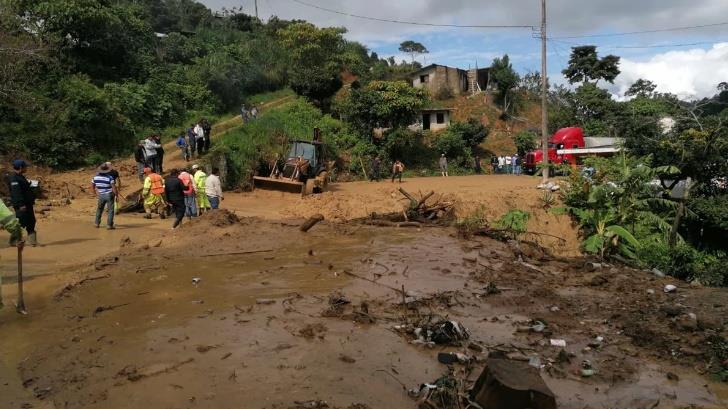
x=603 y=236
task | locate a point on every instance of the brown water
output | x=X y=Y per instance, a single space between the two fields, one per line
x=211 y=345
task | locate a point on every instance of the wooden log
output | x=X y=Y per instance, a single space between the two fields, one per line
x=424 y=199
x=237 y=253
x=312 y=221
x=409 y=224
x=411 y=198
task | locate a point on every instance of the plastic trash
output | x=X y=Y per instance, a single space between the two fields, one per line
x=558 y=343
x=670 y=288
x=535 y=362
x=538 y=326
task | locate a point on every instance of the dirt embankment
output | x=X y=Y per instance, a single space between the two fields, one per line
x=257 y=313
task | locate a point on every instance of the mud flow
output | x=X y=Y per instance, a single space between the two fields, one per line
x=256 y=314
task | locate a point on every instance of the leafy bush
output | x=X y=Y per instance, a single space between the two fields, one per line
x=525 y=142
x=515 y=221
x=454 y=147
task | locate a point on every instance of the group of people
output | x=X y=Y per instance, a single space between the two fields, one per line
x=183 y=193
x=499 y=165
x=248 y=114
x=376 y=170
x=149 y=153
x=195 y=140
x=512 y=165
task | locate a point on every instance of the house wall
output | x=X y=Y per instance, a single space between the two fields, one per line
x=434 y=126
x=441 y=76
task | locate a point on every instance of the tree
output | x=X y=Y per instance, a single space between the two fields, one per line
x=642 y=88
x=506 y=79
x=531 y=83
x=413 y=48
x=525 y=142
x=472 y=132
x=315 y=70
x=391 y=104
x=585 y=66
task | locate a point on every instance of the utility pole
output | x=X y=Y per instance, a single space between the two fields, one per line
x=544 y=90
x=256 y=8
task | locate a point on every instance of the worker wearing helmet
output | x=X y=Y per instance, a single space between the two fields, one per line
x=203 y=203
x=153 y=193
x=10 y=223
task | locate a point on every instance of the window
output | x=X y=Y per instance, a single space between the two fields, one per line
x=440 y=118
x=425 y=78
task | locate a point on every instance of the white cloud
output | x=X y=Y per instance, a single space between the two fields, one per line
x=688 y=74
x=566 y=17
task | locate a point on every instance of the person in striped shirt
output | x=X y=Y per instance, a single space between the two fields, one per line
x=105 y=189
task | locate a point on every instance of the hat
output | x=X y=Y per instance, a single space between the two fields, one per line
x=104 y=167
x=195 y=167
x=19 y=163
x=147 y=170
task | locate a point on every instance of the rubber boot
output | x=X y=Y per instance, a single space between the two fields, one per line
x=33 y=239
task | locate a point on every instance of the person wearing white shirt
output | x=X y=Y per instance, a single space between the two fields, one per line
x=213 y=188
x=199 y=139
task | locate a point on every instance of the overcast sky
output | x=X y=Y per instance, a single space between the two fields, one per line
x=688 y=62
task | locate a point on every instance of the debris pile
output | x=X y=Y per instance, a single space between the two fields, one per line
x=416 y=213
x=442 y=332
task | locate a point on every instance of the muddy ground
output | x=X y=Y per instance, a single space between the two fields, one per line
x=228 y=313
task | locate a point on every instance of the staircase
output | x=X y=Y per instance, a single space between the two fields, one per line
x=473 y=85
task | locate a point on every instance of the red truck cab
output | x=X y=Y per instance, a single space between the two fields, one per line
x=564 y=138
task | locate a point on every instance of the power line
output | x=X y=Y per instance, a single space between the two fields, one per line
x=413 y=23
x=639 y=46
x=668 y=45
x=661 y=30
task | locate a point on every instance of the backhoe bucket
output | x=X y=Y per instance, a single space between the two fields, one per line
x=280 y=184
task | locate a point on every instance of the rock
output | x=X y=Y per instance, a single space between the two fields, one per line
x=347 y=359
x=658 y=273
x=475 y=347
x=712 y=323
x=671 y=376
x=671 y=310
x=670 y=289
x=598 y=281
x=511 y=384
x=687 y=323
x=265 y=301
x=690 y=351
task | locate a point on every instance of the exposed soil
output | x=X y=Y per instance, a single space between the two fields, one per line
x=244 y=310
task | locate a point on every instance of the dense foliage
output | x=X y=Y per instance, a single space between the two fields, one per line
x=628 y=207
x=83 y=79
